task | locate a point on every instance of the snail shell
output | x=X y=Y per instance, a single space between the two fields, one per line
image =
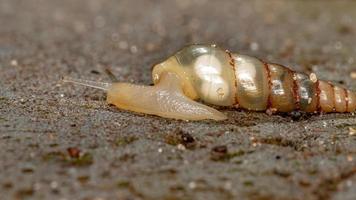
x=228 y=79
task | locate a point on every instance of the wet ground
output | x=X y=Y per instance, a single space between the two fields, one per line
x=59 y=141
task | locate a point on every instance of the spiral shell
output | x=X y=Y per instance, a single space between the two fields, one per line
x=229 y=79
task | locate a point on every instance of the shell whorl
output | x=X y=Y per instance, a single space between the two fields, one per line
x=282 y=89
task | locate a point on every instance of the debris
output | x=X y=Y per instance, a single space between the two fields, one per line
x=73 y=152
x=353 y=75
x=352 y=131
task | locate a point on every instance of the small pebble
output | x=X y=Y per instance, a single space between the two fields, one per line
x=353 y=75
x=53 y=184
x=228 y=185
x=325 y=124
x=181 y=147
x=352 y=131
x=220 y=149
x=254 y=46
x=73 y=152
x=14 y=62
x=192 y=185
x=133 y=49
x=271 y=111
x=350 y=158
x=349 y=183
x=218 y=153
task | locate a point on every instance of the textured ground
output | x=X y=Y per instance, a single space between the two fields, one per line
x=64 y=142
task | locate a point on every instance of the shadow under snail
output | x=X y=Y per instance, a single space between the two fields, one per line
x=218 y=77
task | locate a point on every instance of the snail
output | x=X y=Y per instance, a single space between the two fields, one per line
x=214 y=76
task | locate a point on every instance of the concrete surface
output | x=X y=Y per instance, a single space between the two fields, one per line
x=59 y=141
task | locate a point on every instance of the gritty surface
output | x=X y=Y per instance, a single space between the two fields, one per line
x=59 y=141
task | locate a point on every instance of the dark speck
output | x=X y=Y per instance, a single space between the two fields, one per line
x=180 y=137
x=27 y=170
x=24 y=193
x=73 y=152
x=220 y=149
x=344 y=29
x=219 y=153
x=297 y=115
x=7 y=185
x=187 y=139
x=93 y=71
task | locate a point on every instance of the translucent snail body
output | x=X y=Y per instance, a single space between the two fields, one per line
x=218 y=77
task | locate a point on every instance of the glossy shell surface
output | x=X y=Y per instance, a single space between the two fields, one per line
x=210 y=72
x=229 y=79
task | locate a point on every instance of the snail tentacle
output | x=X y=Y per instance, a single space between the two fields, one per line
x=88 y=83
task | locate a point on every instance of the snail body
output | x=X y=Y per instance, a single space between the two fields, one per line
x=218 y=77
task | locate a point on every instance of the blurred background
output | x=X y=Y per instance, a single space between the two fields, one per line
x=63 y=142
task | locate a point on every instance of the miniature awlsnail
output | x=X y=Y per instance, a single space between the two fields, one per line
x=218 y=77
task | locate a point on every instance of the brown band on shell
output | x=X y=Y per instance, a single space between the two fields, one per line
x=318 y=107
x=269 y=99
x=346 y=99
x=296 y=90
x=334 y=100
x=233 y=65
